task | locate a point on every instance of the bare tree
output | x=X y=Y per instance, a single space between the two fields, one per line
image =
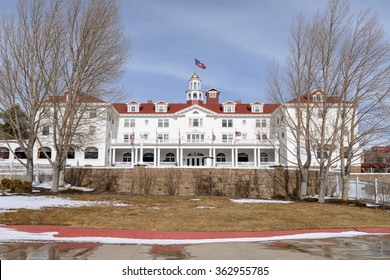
x=27 y=63
x=348 y=64
x=94 y=51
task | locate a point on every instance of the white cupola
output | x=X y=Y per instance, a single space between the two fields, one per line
x=194 y=91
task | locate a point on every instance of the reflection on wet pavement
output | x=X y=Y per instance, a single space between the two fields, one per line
x=368 y=247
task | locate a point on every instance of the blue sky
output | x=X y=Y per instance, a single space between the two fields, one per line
x=236 y=40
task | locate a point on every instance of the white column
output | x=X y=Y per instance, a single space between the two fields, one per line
x=141 y=151
x=258 y=156
x=136 y=155
x=277 y=156
x=113 y=156
x=255 y=156
x=233 y=158
x=214 y=157
x=178 y=156
x=155 y=157
x=181 y=157
x=158 y=156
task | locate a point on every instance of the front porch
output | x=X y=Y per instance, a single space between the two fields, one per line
x=236 y=157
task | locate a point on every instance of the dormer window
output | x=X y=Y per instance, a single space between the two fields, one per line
x=229 y=107
x=161 y=106
x=133 y=107
x=212 y=94
x=257 y=107
x=318 y=97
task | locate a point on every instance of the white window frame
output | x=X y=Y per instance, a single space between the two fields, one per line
x=163 y=122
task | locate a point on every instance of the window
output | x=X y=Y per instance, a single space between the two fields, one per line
x=228 y=108
x=227 y=138
x=92 y=130
x=4 y=153
x=325 y=153
x=163 y=122
x=92 y=113
x=227 y=123
x=261 y=123
x=319 y=114
x=318 y=97
x=264 y=137
x=242 y=157
x=133 y=108
x=257 y=108
x=148 y=157
x=195 y=138
x=244 y=136
x=129 y=123
x=71 y=153
x=212 y=94
x=170 y=157
x=126 y=138
x=19 y=153
x=195 y=122
x=44 y=152
x=346 y=152
x=163 y=137
x=91 y=153
x=221 y=157
x=126 y=157
x=161 y=108
x=263 y=157
x=46 y=130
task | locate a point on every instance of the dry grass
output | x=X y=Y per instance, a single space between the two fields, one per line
x=181 y=214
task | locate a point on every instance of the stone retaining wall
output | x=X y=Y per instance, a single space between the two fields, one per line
x=262 y=183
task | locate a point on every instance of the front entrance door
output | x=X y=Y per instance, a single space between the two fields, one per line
x=195 y=159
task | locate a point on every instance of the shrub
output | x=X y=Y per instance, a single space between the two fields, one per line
x=6 y=183
x=27 y=187
x=16 y=186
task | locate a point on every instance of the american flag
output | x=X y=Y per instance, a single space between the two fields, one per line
x=200 y=64
x=213 y=137
x=238 y=133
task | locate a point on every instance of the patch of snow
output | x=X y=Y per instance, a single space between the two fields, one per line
x=195 y=199
x=47 y=185
x=204 y=207
x=259 y=201
x=155 y=208
x=12 y=203
x=12 y=235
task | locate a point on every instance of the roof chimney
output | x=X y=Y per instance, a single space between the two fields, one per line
x=238 y=101
x=150 y=101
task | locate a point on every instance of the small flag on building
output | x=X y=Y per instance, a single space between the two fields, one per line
x=200 y=64
x=238 y=133
x=132 y=138
x=213 y=137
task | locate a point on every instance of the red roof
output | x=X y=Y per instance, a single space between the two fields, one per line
x=149 y=108
x=305 y=98
x=85 y=98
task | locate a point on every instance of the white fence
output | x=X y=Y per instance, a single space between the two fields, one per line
x=374 y=192
x=17 y=170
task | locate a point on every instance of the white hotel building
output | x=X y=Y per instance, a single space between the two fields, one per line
x=200 y=132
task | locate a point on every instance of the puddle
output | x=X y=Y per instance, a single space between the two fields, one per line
x=359 y=248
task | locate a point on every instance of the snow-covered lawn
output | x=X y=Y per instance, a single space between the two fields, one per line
x=259 y=201
x=15 y=202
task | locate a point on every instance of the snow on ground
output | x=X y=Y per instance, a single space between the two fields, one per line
x=12 y=203
x=259 y=201
x=12 y=235
x=47 y=185
x=204 y=207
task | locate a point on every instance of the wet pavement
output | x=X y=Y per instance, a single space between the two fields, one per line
x=363 y=248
